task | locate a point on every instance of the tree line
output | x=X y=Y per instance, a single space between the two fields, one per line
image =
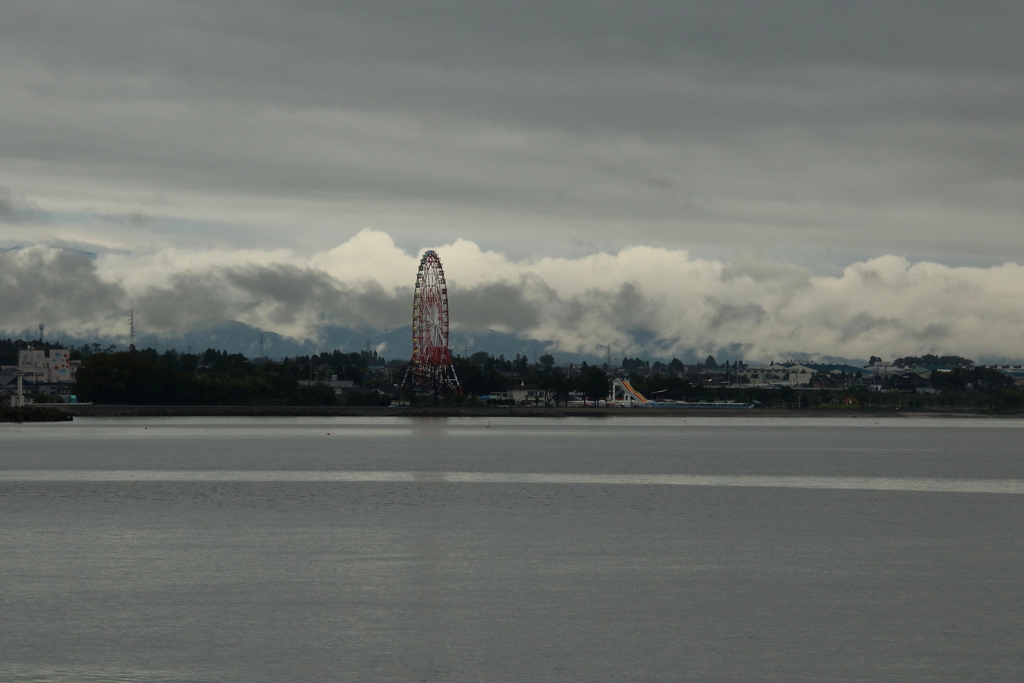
x=216 y=377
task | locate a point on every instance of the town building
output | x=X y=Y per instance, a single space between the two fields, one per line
x=47 y=366
x=524 y=393
x=780 y=374
x=42 y=372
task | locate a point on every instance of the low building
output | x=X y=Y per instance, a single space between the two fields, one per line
x=824 y=380
x=764 y=375
x=911 y=383
x=529 y=393
x=392 y=391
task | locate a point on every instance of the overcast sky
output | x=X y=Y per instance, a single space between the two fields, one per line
x=797 y=138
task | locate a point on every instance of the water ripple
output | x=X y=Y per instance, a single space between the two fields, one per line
x=1014 y=486
x=13 y=673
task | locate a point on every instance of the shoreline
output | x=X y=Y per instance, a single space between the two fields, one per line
x=490 y=412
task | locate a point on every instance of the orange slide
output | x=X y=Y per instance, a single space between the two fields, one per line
x=636 y=394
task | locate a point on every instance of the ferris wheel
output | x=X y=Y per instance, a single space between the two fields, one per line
x=431 y=366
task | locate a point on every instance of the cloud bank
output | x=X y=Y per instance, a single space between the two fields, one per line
x=642 y=300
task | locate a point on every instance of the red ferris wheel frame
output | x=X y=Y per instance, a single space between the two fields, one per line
x=431 y=367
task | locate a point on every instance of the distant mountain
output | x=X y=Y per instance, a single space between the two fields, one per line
x=233 y=337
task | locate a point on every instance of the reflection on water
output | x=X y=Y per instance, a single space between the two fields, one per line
x=12 y=673
x=767 y=481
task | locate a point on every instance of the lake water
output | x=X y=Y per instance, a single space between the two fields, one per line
x=625 y=549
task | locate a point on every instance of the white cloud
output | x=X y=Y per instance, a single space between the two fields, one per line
x=641 y=300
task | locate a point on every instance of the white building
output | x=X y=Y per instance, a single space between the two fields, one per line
x=43 y=366
x=525 y=393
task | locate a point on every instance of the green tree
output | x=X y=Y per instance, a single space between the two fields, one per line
x=558 y=384
x=132 y=379
x=593 y=382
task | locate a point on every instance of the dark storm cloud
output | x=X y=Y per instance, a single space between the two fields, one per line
x=932 y=334
x=871 y=126
x=724 y=314
x=495 y=305
x=286 y=297
x=277 y=296
x=624 y=307
x=55 y=286
x=864 y=324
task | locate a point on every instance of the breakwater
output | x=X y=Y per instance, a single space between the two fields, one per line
x=33 y=414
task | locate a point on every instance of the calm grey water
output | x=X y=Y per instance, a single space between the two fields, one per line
x=712 y=549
